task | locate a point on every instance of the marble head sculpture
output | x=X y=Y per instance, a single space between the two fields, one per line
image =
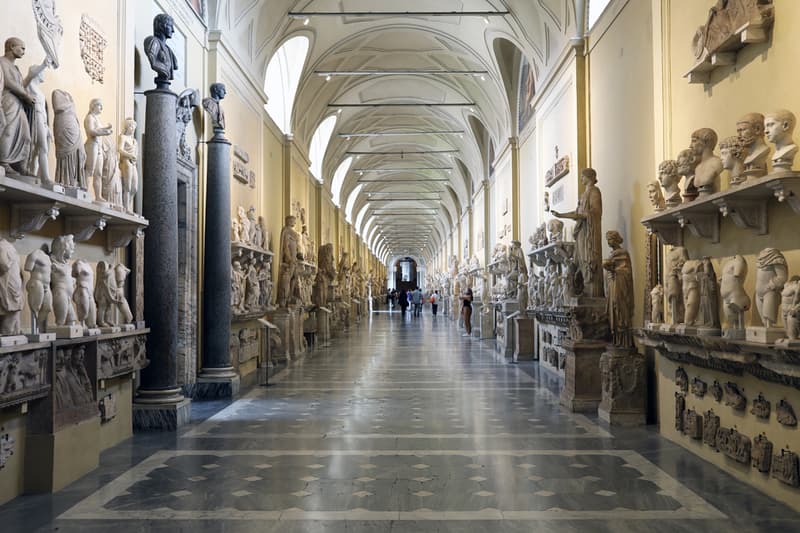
x=779 y=128
x=750 y=129
x=162 y=58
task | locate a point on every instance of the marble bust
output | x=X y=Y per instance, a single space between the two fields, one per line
x=162 y=58
x=687 y=163
x=779 y=127
x=733 y=153
x=214 y=108
x=709 y=166
x=750 y=129
x=655 y=195
x=669 y=177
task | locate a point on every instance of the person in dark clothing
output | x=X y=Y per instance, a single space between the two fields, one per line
x=435 y=302
x=403 y=300
x=466 y=310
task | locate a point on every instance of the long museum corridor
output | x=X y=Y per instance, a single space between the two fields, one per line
x=402 y=425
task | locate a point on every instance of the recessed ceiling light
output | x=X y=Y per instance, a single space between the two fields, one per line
x=328 y=77
x=306 y=21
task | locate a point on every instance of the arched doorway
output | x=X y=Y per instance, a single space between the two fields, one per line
x=405 y=274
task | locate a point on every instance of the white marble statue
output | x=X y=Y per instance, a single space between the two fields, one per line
x=669 y=176
x=676 y=258
x=779 y=128
x=38 y=162
x=15 y=131
x=244 y=225
x=790 y=299
x=70 y=153
x=750 y=129
x=40 y=298
x=121 y=273
x=657 y=304
x=236 y=231
x=11 y=297
x=733 y=153
x=555 y=230
x=619 y=283
x=735 y=301
x=771 y=275
x=109 y=294
x=253 y=237
x=128 y=149
x=95 y=131
x=238 y=282
x=709 y=166
x=83 y=297
x=61 y=282
x=50 y=30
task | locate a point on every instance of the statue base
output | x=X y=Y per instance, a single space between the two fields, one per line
x=762 y=335
x=78 y=194
x=708 y=332
x=110 y=329
x=668 y=328
x=13 y=340
x=734 y=334
x=683 y=329
x=624 y=387
x=91 y=332
x=788 y=344
x=130 y=327
x=216 y=384
x=41 y=337
x=68 y=332
x=653 y=326
x=323 y=326
x=505 y=313
x=524 y=349
x=582 y=391
x=55 y=187
x=163 y=410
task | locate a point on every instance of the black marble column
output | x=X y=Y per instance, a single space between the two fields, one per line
x=217 y=379
x=159 y=403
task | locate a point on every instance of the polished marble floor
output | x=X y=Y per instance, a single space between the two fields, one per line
x=401 y=425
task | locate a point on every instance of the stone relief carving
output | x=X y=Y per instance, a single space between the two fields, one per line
x=7 y=447
x=21 y=374
x=734 y=445
x=762 y=454
x=559 y=170
x=710 y=428
x=693 y=424
x=681 y=379
x=761 y=407
x=785 y=414
x=786 y=468
x=734 y=397
x=699 y=387
x=72 y=385
x=249 y=345
x=93 y=43
x=120 y=356
x=680 y=407
x=716 y=391
x=108 y=408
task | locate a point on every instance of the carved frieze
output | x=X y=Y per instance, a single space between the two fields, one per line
x=734 y=445
x=121 y=355
x=785 y=414
x=681 y=379
x=693 y=424
x=93 y=43
x=241 y=171
x=699 y=387
x=786 y=468
x=249 y=345
x=23 y=376
x=762 y=454
x=72 y=387
x=710 y=427
x=761 y=407
x=108 y=408
x=734 y=397
x=251 y=282
x=559 y=170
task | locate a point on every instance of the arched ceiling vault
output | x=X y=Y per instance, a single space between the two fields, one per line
x=414 y=166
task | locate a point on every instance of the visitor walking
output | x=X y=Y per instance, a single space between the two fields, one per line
x=435 y=302
x=466 y=310
x=416 y=299
x=403 y=301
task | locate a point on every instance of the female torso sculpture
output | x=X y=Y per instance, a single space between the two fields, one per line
x=735 y=300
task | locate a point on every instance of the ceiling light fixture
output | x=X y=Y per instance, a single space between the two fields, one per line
x=484 y=14
x=408 y=104
x=401 y=133
x=306 y=21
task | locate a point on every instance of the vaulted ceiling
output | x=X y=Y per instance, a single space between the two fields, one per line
x=428 y=85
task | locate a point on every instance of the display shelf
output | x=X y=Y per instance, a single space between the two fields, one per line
x=558 y=252
x=241 y=250
x=745 y=204
x=33 y=206
x=769 y=362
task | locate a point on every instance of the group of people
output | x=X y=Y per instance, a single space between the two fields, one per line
x=412 y=300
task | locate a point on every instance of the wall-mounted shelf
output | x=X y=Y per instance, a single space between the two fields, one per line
x=558 y=252
x=746 y=205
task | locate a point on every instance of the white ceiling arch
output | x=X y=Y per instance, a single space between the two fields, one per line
x=540 y=29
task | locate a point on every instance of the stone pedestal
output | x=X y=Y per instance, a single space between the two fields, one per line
x=485 y=322
x=217 y=379
x=524 y=333
x=291 y=329
x=504 y=316
x=159 y=403
x=764 y=335
x=323 y=326
x=624 y=387
x=582 y=390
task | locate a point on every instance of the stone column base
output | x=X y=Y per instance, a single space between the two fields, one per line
x=523 y=333
x=582 y=390
x=216 y=384
x=160 y=410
